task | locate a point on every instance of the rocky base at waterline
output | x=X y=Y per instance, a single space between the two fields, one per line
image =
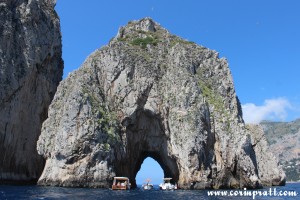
x=149 y=93
x=30 y=70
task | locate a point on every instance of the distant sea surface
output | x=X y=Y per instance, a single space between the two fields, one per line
x=37 y=192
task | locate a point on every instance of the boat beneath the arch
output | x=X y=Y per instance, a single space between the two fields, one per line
x=121 y=183
x=167 y=185
x=147 y=185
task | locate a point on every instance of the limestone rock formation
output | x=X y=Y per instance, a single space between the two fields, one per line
x=148 y=93
x=265 y=158
x=30 y=70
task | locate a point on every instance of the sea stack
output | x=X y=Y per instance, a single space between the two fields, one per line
x=149 y=93
x=31 y=68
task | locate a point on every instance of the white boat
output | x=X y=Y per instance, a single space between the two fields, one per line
x=147 y=185
x=167 y=185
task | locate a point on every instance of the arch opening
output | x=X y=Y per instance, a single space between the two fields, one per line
x=168 y=166
x=150 y=169
x=145 y=137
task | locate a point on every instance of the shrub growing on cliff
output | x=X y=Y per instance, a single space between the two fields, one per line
x=143 y=42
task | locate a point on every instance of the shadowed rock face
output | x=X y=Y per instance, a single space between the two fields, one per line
x=148 y=93
x=30 y=70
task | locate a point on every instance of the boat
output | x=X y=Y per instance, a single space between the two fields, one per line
x=121 y=183
x=167 y=185
x=147 y=185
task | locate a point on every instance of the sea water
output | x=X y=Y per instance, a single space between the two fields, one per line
x=37 y=192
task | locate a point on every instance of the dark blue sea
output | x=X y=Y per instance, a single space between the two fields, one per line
x=37 y=192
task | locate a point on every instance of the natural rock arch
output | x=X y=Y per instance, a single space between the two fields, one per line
x=146 y=138
x=151 y=93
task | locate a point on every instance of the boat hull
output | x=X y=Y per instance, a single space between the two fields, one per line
x=148 y=187
x=120 y=187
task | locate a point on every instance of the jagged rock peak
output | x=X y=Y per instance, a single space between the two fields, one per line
x=142 y=28
x=145 y=24
x=50 y=3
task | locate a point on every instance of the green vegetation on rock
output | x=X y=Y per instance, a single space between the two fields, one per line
x=143 y=42
x=180 y=41
x=106 y=118
x=215 y=99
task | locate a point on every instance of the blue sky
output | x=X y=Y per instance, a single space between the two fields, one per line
x=260 y=39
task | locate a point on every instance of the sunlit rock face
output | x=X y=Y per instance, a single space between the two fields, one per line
x=30 y=70
x=148 y=93
x=265 y=158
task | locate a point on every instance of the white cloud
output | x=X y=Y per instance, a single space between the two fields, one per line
x=273 y=109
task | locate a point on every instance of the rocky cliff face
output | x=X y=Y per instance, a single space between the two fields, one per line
x=149 y=93
x=266 y=160
x=30 y=70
